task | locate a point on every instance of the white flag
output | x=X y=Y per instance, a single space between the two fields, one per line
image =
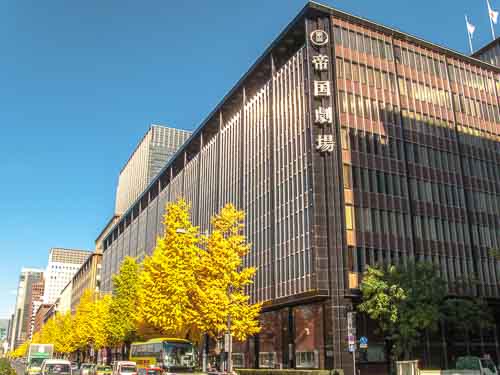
x=470 y=28
x=493 y=13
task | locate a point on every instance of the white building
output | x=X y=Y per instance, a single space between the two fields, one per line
x=62 y=266
x=63 y=304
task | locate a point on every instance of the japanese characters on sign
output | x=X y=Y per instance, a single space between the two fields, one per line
x=319 y=37
x=320 y=63
x=325 y=143
x=323 y=114
x=322 y=88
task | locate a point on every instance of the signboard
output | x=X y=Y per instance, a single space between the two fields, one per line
x=227 y=342
x=363 y=342
x=352 y=348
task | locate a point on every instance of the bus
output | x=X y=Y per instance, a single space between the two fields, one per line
x=37 y=353
x=172 y=355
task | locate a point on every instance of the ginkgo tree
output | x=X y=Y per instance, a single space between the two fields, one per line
x=121 y=319
x=192 y=284
x=195 y=284
x=168 y=289
x=222 y=279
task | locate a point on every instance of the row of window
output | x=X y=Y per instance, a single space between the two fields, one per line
x=371 y=143
x=431 y=192
x=426 y=124
x=430 y=157
x=363 y=257
x=425 y=93
x=481 y=169
x=476 y=108
x=485 y=202
x=472 y=79
x=373 y=220
x=362 y=43
x=374 y=181
x=420 y=62
x=370 y=109
x=487 y=236
x=366 y=75
x=435 y=67
x=479 y=138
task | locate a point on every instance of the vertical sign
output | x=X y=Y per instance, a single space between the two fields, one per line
x=323 y=113
x=351 y=330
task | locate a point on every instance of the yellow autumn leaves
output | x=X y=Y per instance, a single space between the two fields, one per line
x=191 y=284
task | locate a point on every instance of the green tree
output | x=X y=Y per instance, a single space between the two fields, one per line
x=466 y=315
x=405 y=302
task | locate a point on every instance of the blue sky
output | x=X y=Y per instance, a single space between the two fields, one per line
x=81 y=81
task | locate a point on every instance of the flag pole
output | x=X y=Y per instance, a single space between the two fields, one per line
x=468 y=35
x=491 y=20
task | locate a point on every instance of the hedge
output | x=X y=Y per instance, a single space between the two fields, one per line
x=287 y=372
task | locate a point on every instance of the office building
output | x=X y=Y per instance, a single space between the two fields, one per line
x=9 y=330
x=88 y=277
x=348 y=144
x=62 y=266
x=63 y=302
x=21 y=325
x=40 y=316
x=99 y=245
x=36 y=300
x=4 y=327
x=489 y=53
x=157 y=146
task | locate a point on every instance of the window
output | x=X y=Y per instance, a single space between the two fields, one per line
x=349 y=217
x=267 y=359
x=347 y=176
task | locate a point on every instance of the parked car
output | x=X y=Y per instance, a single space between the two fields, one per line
x=125 y=368
x=56 y=367
x=86 y=368
x=470 y=365
x=150 y=371
x=74 y=367
x=102 y=370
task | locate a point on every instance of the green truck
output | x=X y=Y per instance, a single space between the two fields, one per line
x=37 y=353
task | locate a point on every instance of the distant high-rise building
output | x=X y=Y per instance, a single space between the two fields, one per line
x=36 y=300
x=22 y=318
x=157 y=146
x=9 y=329
x=4 y=327
x=62 y=266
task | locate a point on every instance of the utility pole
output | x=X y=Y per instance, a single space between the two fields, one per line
x=229 y=339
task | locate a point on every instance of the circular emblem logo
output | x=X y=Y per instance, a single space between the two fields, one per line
x=319 y=37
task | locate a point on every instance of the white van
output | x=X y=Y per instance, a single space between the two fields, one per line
x=124 y=368
x=56 y=367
